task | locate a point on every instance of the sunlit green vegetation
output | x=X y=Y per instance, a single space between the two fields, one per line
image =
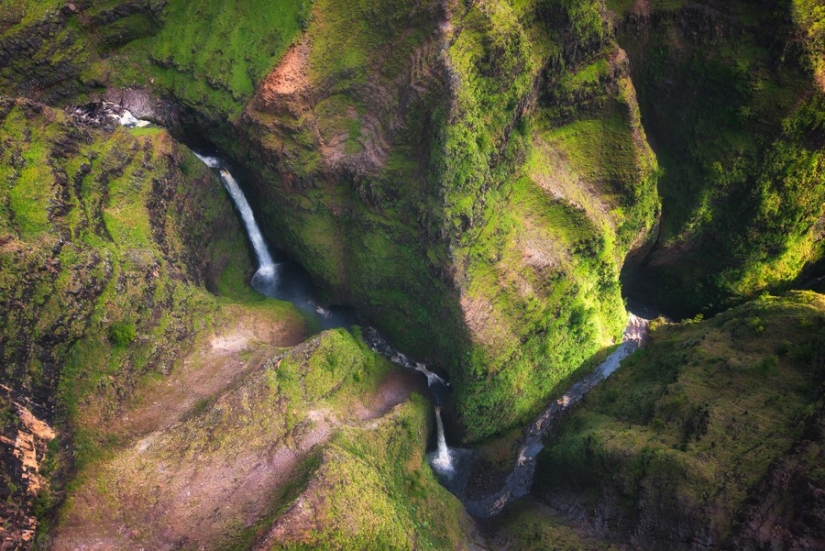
x=694 y=420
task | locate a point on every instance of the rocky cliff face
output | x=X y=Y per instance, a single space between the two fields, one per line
x=452 y=203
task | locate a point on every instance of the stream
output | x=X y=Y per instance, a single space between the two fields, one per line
x=519 y=481
x=283 y=279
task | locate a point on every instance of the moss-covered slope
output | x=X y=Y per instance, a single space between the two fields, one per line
x=318 y=447
x=108 y=240
x=730 y=97
x=453 y=203
x=678 y=448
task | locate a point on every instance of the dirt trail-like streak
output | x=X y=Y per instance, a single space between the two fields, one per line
x=520 y=480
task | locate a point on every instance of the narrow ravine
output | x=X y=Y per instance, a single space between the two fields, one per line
x=520 y=479
x=284 y=280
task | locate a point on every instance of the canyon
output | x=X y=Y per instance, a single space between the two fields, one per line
x=454 y=206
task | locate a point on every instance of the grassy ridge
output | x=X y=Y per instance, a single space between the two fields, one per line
x=674 y=441
x=108 y=240
x=374 y=490
x=561 y=195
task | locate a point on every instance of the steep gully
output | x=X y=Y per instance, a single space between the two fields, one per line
x=283 y=279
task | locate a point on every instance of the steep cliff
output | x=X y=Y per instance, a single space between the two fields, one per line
x=470 y=176
x=731 y=100
x=443 y=197
x=108 y=240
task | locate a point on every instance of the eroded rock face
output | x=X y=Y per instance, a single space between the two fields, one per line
x=286 y=90
x=23 y=446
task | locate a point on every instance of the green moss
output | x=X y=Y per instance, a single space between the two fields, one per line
x=694 y=420
x=213 y=55
x=122 y=333
x=376 y=491
x=725 y=139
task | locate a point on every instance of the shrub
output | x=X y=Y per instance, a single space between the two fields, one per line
x=122 y=333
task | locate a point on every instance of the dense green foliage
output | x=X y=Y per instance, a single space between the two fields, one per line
x=735 y=111
x=809 y=15
x=679 y=436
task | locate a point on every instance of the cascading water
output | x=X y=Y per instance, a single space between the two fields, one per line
x=445 y=462
x=128 y=120
x=286 y=281
x=266 y=274
x=520 y=479
x=282 y=279
x=452 y=465
x=442 y=459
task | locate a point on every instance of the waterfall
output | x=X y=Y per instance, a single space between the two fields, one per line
x=266 y=266
x=432 y=378
x=442 y=460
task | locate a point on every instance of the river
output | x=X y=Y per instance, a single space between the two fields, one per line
x=283 y=279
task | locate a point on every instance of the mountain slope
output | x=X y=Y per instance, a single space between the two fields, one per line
x=692 y=443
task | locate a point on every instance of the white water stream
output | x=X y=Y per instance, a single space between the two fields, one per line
x=266 y=266
x=520 y=479
x=442 y=460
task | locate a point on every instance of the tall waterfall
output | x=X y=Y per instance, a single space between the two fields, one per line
x=266 y=266
x=442 y=460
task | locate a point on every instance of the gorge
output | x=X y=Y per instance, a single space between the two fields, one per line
x=487 y=186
